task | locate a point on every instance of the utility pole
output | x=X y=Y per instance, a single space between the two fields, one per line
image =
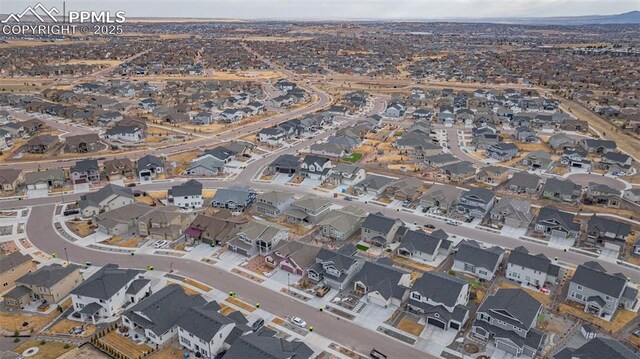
x=288 y=284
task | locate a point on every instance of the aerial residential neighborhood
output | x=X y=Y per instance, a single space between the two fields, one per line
x=262 y=179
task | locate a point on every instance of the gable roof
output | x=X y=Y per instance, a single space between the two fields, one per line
x=520 y=256
x=262 y=345
x=381 y=278
x=12 y=260
x=47 y=276
x=189 y=188
x=106 y=282
x=598 y=348
x=470 y=251
x=203 y=322
x=592 y=275
x=525 y=180
x=420 y=241
x=512 y=305
x=605 y=225
x=378 y=222
x=440 y=287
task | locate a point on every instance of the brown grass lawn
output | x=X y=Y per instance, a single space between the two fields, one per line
x=188 y=290
x=131 y=242
x=634 y=340
x=168 y=352
x=125 y=345
x=209 y=192
x=65 y=325
x=619 y=320
x=49 y=350
x=12 y=321
x=409 y=326
x=227 y=310
x=81 y=228
x=158 y=195
x=184 y=157
x=412 y=264
x=198 y=285
x=277 y=320
x=86 y=352
x=144 y=199
x=113 y=240
x=240 y=304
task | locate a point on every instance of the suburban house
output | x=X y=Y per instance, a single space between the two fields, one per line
x=561 y=141
x=441 y=298
x=531 y=270
x=563 y=190
x=82 y=143
x=597 y=347
x=163 y=223
x=255 y=238
x=10 y=179
x=106 y=292
x=285 y=163
x=476 y=202
x=49 y=285
x=153 y=320
x=380 y=230
x=372 y=185
x=14 y=266
x=264 y=344
x=346 y=174
x=186 y=195
x=492 y=175
x=502 y=151
x=597 y=146
x=523 y=182
x=118 y=168
x=602 y=229
x=335 y=267
x=85 y=171
x=308 y=209
x=41 y=144
x=381 y=283
x=107 y=198
x=128 y=133
x=537 y=160
x=470 y=257
x=315 y=167
x=149 y=167
x=205 y=166
x=553 y=222
x=293 y=257
x=600 y=292
x=512 y=212
x=273 y=203
x=420 y=246
x=460 y=172
x=616 y=163
x=217 y=229
x=509 y=317
x=602 y=195
x=340 y=224
x=123 y=220
x=405 y=189
x=273 y=136
x=235 y=199
x=441 y=197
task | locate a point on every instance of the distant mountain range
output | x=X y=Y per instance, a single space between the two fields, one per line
x=631 y=17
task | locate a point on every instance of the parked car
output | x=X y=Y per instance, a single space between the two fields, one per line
x=347 y=198
x=297 y=321
x=131 y=184
x=376 y=354
x=637 y=333
x=160 y=244
x=451 y=222
x=322 y=291
x=430 y=226
x=425 y=209
x=70 y=212
x=257 y=324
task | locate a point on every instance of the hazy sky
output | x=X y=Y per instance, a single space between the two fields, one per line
x=339 y=9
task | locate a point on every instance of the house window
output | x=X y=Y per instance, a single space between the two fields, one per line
x=579 y=287
x=416 y=296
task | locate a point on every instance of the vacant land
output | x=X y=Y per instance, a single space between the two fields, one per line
x=49 y=350
x=622 y=317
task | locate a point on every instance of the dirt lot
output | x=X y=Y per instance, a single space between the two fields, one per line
x=85 y=352
x=241 y=304
x=198 y=285
x=49 y=350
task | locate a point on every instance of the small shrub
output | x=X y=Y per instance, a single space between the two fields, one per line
x=452 y=272
x=42 y=342
x=16 y=340
x=66 y=346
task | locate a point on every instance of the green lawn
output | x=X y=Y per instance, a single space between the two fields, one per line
x=362 y=247
x=354 y=157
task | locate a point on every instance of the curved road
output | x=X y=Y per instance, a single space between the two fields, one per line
x=43 y=235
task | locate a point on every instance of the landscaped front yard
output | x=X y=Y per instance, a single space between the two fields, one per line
x=410 y=326
x=354 y=157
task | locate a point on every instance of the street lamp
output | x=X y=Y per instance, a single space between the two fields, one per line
x=288 y=283
x=66 y=255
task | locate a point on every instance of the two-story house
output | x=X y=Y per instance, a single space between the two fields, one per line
x=600 y=292
x=186 y=195
x=470 y=257
x=601 y=229
x=308 y=209
x=49 y=284
x=340 y=224
x=441 y=197
x=235 y=199
x=273 y=203
x=85 y=171
x=441 y=298
x=315 y=167
x=563 y=190
x=335 y=267
x=149 y=167
x=476 y=202
x=257 y=238
x=107 y=198
x=106 y=292
x=379 y=230
x=381 y=283
x=509 y=317
x=531 y=270
x=553 y=222
x=420 y=246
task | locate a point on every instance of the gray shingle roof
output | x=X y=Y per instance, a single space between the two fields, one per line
x=596 y=278
x=470 y=252
x=203 y=322
x=265 y=346
x=377 y=222
x=420 y=241
x=605 y=225
x=513 y=306
x=439 y=287
x=12 y=260
x=105 y=282
x=598 y=348
x=190 y=188
x=520 y=256
x=381 y=278
x=48 y=276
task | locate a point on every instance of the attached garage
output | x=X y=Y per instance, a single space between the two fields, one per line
x=437 y=323
x=454 y=325
x=507 y=347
